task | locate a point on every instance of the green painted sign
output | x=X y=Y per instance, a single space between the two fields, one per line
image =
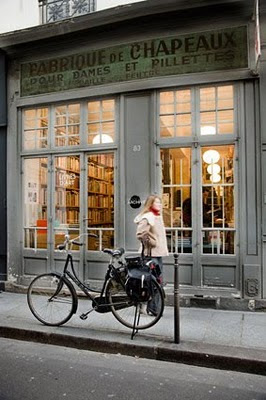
x=183 y=54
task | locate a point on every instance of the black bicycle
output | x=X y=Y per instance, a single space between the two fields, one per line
x=52 y=297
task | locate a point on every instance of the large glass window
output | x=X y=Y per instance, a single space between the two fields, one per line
x=217 y=110
x=175 y=113
x=212 y=106
x=35 y=203
x=101 y=200
x=35 y=129
x=67 y=197
x=101 y=121
x=67 y=125
x=177 y=205
x=218 y=203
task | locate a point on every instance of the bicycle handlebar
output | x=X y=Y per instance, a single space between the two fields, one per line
x=67 y=241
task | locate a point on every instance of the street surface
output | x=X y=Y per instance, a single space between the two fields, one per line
x=45 y=372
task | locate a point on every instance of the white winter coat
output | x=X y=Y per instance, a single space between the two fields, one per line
x=152 y=226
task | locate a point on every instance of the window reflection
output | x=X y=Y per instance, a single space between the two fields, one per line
x=175 y=113
x=217 y=110
x=101 y=121
x=176 y=183
x=218 y=209
x=35 y=203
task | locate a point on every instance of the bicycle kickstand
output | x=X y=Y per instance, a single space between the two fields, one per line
x=85 y=315
x=134 y=330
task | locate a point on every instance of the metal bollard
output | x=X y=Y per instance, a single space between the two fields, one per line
x=176 y=301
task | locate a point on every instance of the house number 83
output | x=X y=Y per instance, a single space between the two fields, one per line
x=137 y=147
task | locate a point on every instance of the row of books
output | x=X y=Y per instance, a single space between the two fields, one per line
x=67 y=216
x=67 y=199
x=98 y=187
x=106 y=160
x=68 y=163
x=99 y=216
x=98 y=201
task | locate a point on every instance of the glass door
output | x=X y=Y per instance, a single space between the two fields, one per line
x=198 y=194
x=100 y=200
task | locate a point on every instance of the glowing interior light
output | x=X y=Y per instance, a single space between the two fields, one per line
x=211 y=156
x=207 y=130
x=215 y=178
x=213 y=169
x=102 y=139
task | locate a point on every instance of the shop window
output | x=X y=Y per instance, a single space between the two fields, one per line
x=218 y=203
x=176 y=198
x=100 y=217
x=175 y=114
x=101 y=122
x=217 y=110
x=35 y=128
x=67 y=125
x=66 y=198
x=35 y=203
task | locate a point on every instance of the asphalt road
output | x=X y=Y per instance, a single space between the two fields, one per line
x=31 y=371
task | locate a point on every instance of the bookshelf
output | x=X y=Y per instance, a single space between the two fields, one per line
x=101 y=196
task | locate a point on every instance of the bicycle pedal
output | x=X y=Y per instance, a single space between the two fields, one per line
x=83 y=316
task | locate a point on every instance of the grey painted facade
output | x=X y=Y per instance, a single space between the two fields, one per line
x=137 y=169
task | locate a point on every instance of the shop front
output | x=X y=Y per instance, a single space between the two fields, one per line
x=101 y=127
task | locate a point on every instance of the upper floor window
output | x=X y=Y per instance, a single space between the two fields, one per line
x=101 y=121
x=217 y=110
x=197 y=112
x=35 y=129
x=175 y=113
x=69 y=125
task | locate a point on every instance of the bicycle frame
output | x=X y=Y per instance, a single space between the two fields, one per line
x=111 y=272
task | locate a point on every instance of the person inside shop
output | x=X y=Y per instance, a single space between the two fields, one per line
x=151 y=232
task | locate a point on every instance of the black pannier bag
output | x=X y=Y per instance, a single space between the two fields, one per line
x=139 y=279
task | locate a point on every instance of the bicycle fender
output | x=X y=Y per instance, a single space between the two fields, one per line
x=68 y=283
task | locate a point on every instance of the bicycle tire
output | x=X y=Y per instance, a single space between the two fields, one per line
x=124 y=309
x=52 y=299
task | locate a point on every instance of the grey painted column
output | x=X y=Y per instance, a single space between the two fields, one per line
x=137 y=161
x=263 y=143
x=3 y=133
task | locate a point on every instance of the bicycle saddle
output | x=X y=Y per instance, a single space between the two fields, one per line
x=114 y=253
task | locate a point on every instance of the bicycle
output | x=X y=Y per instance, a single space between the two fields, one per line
x=52 y=297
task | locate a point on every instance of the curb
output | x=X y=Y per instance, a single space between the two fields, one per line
x=156 y=352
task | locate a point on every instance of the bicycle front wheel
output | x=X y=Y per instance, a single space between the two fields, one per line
x=129 y=312
x=51 y=299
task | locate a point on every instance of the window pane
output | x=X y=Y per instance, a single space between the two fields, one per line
x=108 y=105
x=167 y=109
x=166 y=97
x=101 y=112
x=67 y=123
x=184 y=131
x=207 y=99
x=167 y=120
x=183 y=101
x=35 y=203
x=176 y=185
x=67 y=198
x=225 y=122
x=177 y=104
x=167 y=131
x=33 y=120
x=101 y=200
x=225 y=97
x=218 y=207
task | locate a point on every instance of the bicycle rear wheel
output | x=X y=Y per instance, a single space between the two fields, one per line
x=52 y=299
x=127 y=311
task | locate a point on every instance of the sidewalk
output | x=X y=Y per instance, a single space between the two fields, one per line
x=230 y=340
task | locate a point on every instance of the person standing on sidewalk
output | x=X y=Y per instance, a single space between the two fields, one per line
x=151 y=232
